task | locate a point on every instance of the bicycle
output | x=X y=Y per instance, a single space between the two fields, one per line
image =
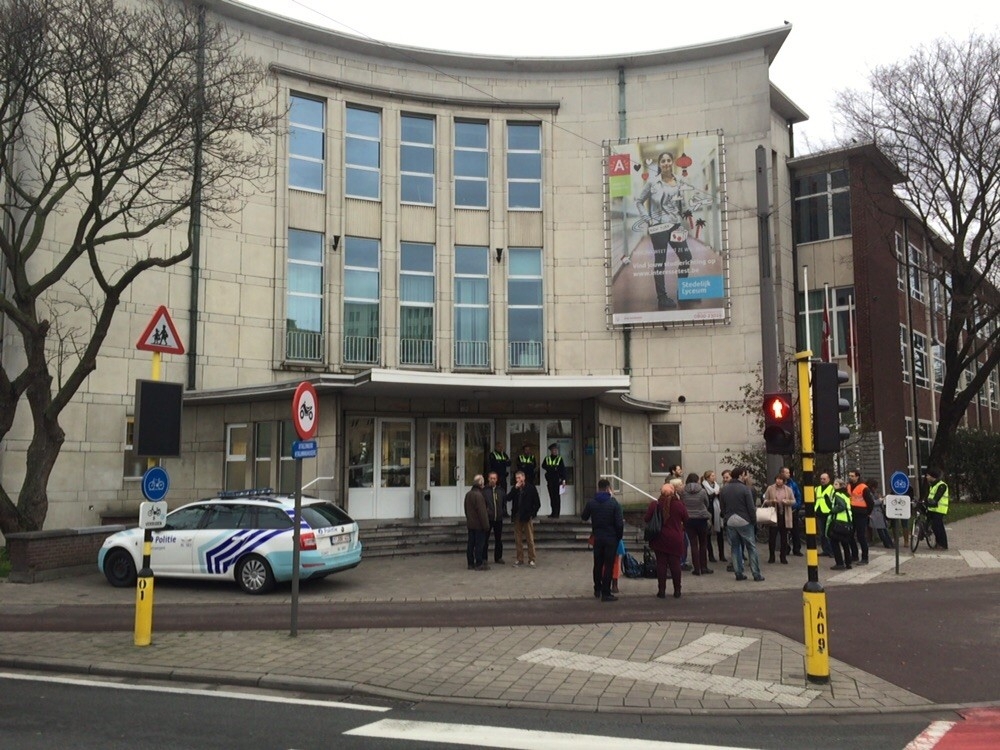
x=921 y=528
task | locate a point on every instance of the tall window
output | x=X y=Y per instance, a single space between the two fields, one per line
x=904 y=353
x=839 y=306
x=524 y=166
x=925 y=439
x=900 y=264
x=822 y=206
x=304 y=329
x=664 y=447
x=993 y=384
x=306 y=144
x=911 y=448
x=363 y=153
x=916 y=256
x=472 y=306
x=611 y=452
x=416 y=160
x=472 y=142
x=921 y=372
x=361 y=301
x=416 y=303
x=937 y=360
x=524 y=307
x=237 y=448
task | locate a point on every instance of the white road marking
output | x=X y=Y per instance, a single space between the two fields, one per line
x=877 y=565
x=708 y=650
x=191 y=691
x=930 y=736
x=665 y=674
x=977 y=559
x=512 y=739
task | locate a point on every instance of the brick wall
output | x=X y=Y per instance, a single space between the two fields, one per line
x=43 y=555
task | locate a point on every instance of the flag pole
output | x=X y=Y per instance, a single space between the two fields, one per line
x=805 y=285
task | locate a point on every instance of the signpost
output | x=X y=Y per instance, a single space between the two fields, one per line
x=305 y=417
x=160 y=337
x=897 y=507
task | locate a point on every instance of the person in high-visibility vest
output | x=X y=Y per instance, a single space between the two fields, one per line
x=824 y=494
x=499 y=462
x=840 y=525
x=937 y=505
x=862 y=503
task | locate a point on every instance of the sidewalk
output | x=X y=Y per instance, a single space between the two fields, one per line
x=662 y=666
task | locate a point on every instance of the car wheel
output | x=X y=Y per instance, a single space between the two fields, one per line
x=254 y=575
x=119 y=568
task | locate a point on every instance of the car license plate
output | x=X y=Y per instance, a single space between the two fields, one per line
x=340 y=541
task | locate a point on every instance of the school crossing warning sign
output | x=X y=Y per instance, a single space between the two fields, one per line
x=160 y=335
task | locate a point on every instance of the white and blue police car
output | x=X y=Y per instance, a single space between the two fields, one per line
x=244 y=536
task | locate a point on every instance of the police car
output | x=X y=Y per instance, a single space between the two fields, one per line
x=243 y=536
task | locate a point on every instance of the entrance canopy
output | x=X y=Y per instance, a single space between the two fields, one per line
x=416 y=384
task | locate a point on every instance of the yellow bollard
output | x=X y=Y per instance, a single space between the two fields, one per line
x=143 y=635
x=817 y=640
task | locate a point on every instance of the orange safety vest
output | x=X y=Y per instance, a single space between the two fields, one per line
x=858 y=495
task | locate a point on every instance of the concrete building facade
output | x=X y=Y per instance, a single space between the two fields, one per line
x=437 y=256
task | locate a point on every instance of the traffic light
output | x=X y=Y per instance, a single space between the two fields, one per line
x=828 y=433
x=779 y=423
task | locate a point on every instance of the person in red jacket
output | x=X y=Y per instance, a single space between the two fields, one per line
x=669 y=543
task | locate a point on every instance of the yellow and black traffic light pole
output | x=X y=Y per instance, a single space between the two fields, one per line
x=814 y=611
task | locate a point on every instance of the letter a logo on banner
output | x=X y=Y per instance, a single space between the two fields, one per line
x=160 y=335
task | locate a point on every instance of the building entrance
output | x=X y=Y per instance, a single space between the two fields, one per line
x=457 y=451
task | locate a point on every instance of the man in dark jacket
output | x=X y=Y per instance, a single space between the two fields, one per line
x=524 y=506
x=477 y=521
x=500 y=464
x=739 y=514
x=608 y=526
x=495 y=504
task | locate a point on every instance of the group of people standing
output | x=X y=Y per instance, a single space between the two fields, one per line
x=485 y=510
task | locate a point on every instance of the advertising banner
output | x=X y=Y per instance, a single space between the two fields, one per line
x=665 y=201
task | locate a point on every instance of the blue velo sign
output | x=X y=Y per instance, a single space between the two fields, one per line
x=155 y=483
x=304 y=449
x=899 y=482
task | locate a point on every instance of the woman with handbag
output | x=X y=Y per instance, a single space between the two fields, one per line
x=668 y=544
x=779 y=496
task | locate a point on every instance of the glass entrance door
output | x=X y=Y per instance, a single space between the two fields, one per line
x=457 y=452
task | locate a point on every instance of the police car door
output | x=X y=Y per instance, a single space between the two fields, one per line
x=172 y=544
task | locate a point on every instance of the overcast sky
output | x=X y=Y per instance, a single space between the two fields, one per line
x=832 y=46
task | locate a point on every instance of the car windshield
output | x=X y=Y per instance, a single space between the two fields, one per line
x=322 y=515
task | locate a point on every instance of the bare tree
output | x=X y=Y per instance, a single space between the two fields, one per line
x=936 y=114
x=117 y=119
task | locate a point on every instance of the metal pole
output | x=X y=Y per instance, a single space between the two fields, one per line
x=296 y=554
x=768 y=291
x=143 y=631
x=814 y=610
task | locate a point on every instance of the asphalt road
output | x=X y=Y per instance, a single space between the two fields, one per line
x=882 y=628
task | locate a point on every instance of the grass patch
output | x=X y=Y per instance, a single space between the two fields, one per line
x=960 y=511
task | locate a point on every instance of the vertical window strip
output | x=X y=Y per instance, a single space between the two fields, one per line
x=472 y=306
x=471 y=164
x=304 y=302
x=362 y=293
x=524 y=307
x=363 y=153
x=524 y=166
x=416 y=159
x=307 y=144
x=416 y=301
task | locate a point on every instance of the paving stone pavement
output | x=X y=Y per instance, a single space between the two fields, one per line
x=661 y=666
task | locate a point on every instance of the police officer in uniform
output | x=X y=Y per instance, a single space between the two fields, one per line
x=937 y=505
x=500 y=464
x=555 y=477
x=840 y=525
x=528 y=463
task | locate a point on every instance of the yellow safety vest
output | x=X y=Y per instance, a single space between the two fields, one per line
x=823 y=496
x=942 y=503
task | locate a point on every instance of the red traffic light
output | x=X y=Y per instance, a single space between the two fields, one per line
x=779 y=423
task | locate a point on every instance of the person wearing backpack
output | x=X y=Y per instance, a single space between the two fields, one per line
x=608 y=526
x=668 y=544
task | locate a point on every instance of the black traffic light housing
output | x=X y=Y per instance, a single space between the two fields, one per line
x=779 y=423
x=828 y=433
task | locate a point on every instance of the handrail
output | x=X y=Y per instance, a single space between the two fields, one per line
x=317 y=479
x=640 y=491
